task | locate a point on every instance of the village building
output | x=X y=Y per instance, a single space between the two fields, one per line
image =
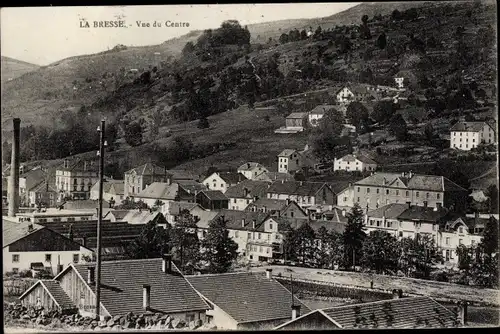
x=212 y=200
x=75 y=180
x=374 y=316
x=251 y=170
x=85 y=205
x=468 y=135
x=43 y=195
x=274 y=176
x=344 y=95
x=29 y=246
x=399 y=82
x=223 y=180
x=138 y=178
x=161 y=192
x=137 y=286
x=278 y=208
x=244 y=193
x=354 y=162
x=304 y=193
x=289 y=161
x=112 y=190
x=55 y=215
x=318 y=113
x=27 y=181
x=461 y=231
x=263 y=303
x=172 y=210
x=294 y=123
x=380 y=189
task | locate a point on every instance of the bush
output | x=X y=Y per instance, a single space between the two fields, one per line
x=26 y=273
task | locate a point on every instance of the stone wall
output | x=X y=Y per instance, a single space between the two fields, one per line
x=18 y=315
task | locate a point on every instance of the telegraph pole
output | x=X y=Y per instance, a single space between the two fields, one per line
x=100 y=153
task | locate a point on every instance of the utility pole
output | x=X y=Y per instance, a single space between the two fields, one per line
x=100 y=153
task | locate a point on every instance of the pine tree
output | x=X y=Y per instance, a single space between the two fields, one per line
x=354 y=236
x=153 y=242
x=219 y=250
x=185 y=242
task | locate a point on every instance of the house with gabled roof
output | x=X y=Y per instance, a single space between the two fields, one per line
x=384 y=314
x=27 y=245
x=252 y=169
x=380 y=189
x=468 y=135
x=138 y=178
x=144 y=286
x=245 y=193
x=278 y=208
x=75 y=179
x=354 y=162
x=163 y=192
x=212 y=200
x=223 y=180
x=318 y=113
x=304 y=193
x=264 y=303
x=289 y=160
x=274 y=176
x=112 y=190
x=43 y=194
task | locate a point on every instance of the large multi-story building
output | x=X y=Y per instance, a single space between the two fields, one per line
x=138 y=178
x=468 y=135
x=251 y=170
x=306 y=194
x=75 y=180
x=289 y=160
x=380 y=189
x=354 y=162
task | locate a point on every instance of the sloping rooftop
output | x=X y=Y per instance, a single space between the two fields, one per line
x=176 y=207
x=214 y=195
x=191 y=186
x=246 y=297
x=11 y=232
x=160 y=190
x=287 y=152
x=80 y=165
x=119 y=214
x=122 y=287
x=249 y=166
x=297 y=115
x=394 y=313
x=389 y=211
x=254 y=188
x=360 y=157
x=416 y=181
x=140 y=217
x=468 y=126
x=33 y=178
x=234 y=219
x=300 y=188
x=269 y=203
x=87 y=204
x=321 y=109
x=420 y=213
x=58 y=293
x=42 y=186
x=274 y=176
x=148 y=169
x=231 y=177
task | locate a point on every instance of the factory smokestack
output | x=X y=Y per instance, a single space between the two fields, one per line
x=14 y=171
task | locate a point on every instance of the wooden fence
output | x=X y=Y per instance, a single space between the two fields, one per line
x=16 y=286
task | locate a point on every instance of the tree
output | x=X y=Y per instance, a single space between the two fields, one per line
x=381 y=41
x=364 y=19
x=383 y=111
x=153 y=242
x=133 y=133
x=489 y=243
x=305 y=243
x=398 y=128
x=203 y=123
x=396 y=15
x=492 y=194
x=185 y=242
x=219 y=250
x=303 y=34
x=325 y=138
x=357 y=113
x=429 y=133
x=188 y=48
x=380 y=252
x=418 y=256
x=330 y=251
x=283 y=38
x=354 y=236
x=289 y=243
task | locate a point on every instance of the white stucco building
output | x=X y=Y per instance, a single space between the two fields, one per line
x=467 y=135
x=354 y=162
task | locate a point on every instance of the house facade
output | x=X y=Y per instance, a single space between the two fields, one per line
x=43 y=194
x=251 y=170
x=244 y=193
x=289 y=161
x=354 y=162
x=113 y=190
x=345 y=95
x=212 y=200
x=223 y=180
x=318 y=113
x=75 y=180
x=138 y=178
x=163 y=192
x=27 y=246
x=468 y=135
x=399 y=82
x=380 y=189
x=56 y=215
x=296 y=120
x=304 y=193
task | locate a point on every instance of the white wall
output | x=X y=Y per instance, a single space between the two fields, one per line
x=357 y=165
x=215 y=182
x=26 y=258
x=239 y=203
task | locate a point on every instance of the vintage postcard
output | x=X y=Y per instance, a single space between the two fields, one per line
x=250 y=166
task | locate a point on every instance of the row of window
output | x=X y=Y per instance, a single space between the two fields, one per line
x=396 y=192
x=259 y=249
x=48 y=258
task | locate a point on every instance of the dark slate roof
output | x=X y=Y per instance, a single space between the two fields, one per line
x=321 y=109
x=119 y=214
x=389 y=211
x=420 y=213
x=191 y=186
x=417 y=181
x=246 y=297
x=234 y=219
x=295 y=115
x=274 y=176
x=255 y=188
x=296 y=188
x=58 y=293
x=231 y=177
x=87 y=204
x=269 y=203
x=468 y=126
x=214 y=195
x=148 y=169
x=408 y=312
x=80 y=165
x=360 y=157
x=287 y=152
x=249 y=166
x=122 y=287
x=33 y=178
x=331 y=226
x=12 y=232
x=42 y=187
x=160 y=190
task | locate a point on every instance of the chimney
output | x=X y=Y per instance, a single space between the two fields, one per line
x=30 y=228
x=14 y=171
x=245 y=192
x=166 y=265
x=146 y=296
x=408 y=204
x=243 y=222
x=288 y=201
x=295 y=311
x=269 y=273
x=410 y=174
x=264 y=209
x=253 y=224
x=395 y=294
x=85 y=166
x=462 y=312
x=425 y=204
x=343 y=212
x=90 y=274
x=248 y=165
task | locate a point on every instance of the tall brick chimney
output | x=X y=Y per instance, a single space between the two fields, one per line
x=14 y=172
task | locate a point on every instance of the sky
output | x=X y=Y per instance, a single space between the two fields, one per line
x=43 y=35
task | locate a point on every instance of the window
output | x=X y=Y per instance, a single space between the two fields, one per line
x=400 y=234
x=447 y=240
x=397 y=192
x=70 y=219
x=378 y=223
x=460 y=230
x=268 y=237
x=48 y=257
x=378 y=190
x=76 y=258
x=270 y=226
x=387 y=191
x=56 y=219
x=249 y=235
x=267 y=250
x=358 y=190
x=260 y=236
x=234 y=200
x=438 y=196
x=15 y=257
x=367 y=190
x=291 y=214
x=248 y=201
x=417 y=194
x=345 y=198
x=236 y=234
x=260 y=249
